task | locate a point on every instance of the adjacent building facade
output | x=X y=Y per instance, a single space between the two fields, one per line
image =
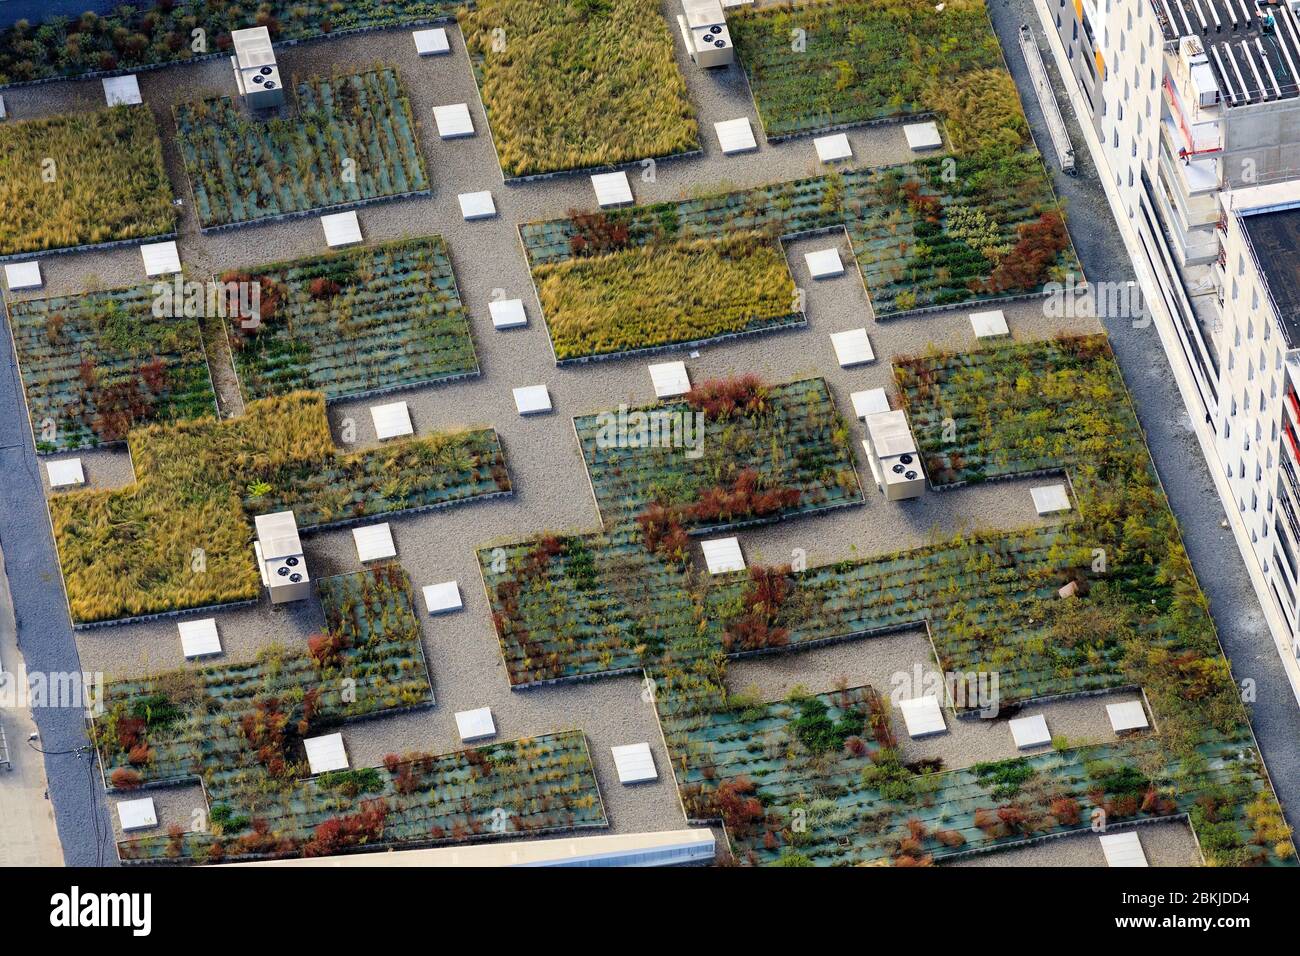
x=1191 y=111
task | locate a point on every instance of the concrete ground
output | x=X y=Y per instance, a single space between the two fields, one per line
x=1166 y=843
x=28 y=836
x=544 y=460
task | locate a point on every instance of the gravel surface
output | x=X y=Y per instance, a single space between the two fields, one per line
x=1166 y=843
x=544 y=460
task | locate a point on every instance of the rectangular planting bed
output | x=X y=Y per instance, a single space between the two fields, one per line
x=820 y=779
x=351 y=139
x=180 y=536
x=240 y=728
x=95 y=366
x=353 y=323
x=84 y=179
x=576 y=85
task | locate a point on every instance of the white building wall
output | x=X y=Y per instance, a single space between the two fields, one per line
x=1126 y=143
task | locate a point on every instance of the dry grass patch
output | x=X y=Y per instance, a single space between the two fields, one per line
x=658 y=295
x=82 y=179
x=570 y=84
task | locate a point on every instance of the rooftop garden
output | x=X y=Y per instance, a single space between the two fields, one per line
x=239 y=728
x=95 y=366
x=572 y=84
x=574 y=605
x=861 y=60
x=586 y=605
x=352 y=139
x=181 y=536
x=82 y=179
x=925 y=238
x=353 y=323
x=154 y=34
x=645 y=297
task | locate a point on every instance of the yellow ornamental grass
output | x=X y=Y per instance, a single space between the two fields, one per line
x=657 y=295
x=179 y=537
x=82 y=179
x=575 y=83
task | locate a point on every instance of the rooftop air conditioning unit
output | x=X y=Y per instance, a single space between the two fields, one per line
x=256 y=74
x=280 y=559
x=704 y=28
x=892 y=453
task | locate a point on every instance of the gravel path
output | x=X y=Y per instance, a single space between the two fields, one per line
x=544 y=459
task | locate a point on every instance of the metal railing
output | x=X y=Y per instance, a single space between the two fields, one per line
x=1047 y=100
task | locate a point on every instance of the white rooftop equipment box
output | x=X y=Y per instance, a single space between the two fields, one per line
x=280 y=558
x=895 y=462
x=256 y=75
x=704 y=30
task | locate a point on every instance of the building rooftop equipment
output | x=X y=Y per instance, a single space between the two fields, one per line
x=122 y=90
x=326 y=753
x=670 y=379
x=374 y=542
x=735 y=136
x=723 y=555
x=833 y=148
x=431 y=42
x=65 y=473
x=635 y=763
x=453 y=121
x=989 y=325
x=443 y=597
x=852 y=347
x=478 y=205
x=612 y=189
x=1129 y=715
x=199 y=638
x=871 y=401
x=1050 y=499
x=160 y=258
x=280 y=560
x=256 y=75
x=1123 y=849
x=341 y=229
x=392 y=420
x=1274 y=240
x=922 y=136
x=475 y=724
x=508 y=313
x=923 y=716
x=825 y=263
x=1030 y=732
x=532 y=399
x=1253 y=50
x=137 y=814
x=23 y=275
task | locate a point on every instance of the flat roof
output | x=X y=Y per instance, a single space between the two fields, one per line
x=1253 y=62
x=1274 y=237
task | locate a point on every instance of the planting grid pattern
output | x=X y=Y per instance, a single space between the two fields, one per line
x=911 y=255
x=912 y=258
x=861 y=60
x=159 y=34
x=239 y=728
x=96 y=365
x=353 y=139
x=687 y=670
x=356 y=322
x=131 y=551
x=582 y=605
x=761 y=767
